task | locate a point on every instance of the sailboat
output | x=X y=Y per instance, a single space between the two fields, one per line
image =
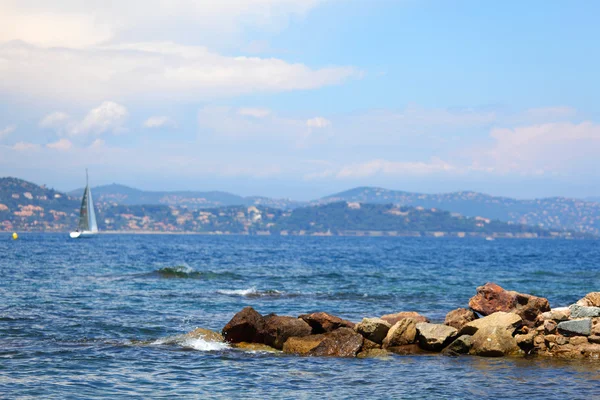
x=87 y=217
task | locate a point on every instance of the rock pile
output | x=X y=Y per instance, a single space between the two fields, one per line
x=498 y=323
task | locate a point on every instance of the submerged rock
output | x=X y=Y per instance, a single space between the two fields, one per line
x=278 y=329
x=245 y=326
x=343 y=342
x=507 y=321
x=403 y=332
x=205 y=334
x=374 y=353
x=493 y=341
x=576 y=327
x=393 y=318
x=255 y=347
x=322 y=322
x=374 y=329
x=434 y=337
x=491 y=298
x=302 y=345
x=459 y=318
x=408 y=350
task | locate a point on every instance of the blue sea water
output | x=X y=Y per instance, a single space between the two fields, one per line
x=96 y=318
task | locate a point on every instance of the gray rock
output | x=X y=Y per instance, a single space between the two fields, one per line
x=374 y=329
x=578 y=311
x=435 y=337
x=576 y=327
x=557 y=314
x=460 y=345
x=507 y=321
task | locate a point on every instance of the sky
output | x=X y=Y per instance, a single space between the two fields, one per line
x=303 y=98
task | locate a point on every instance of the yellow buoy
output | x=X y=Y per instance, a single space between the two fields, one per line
x=15 y=236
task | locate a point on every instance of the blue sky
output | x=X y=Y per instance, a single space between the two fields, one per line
x=301 y=98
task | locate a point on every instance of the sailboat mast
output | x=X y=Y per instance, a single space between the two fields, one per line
x=86 y=177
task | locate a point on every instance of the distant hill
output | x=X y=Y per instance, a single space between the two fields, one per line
x=552 y=213
x=120 y=194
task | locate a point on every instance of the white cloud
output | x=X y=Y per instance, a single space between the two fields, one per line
x=152 y=70
x=254 y=112
x=159 y=121
x=107 y=117
x=318 y=123
x=25 y=146
x=7 y=130
x=61 y=145
x=55 y=120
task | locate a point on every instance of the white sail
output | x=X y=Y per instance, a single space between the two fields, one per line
x=91 y=214
x=87 y=216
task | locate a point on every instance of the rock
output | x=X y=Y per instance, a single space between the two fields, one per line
x=403 y=332
x=596 y=326
x=434 y=337
x=461 y=345
x=374 y=329
x=590 y=300
x=560 y=340
x=576 y=327
x=578 y=340
x=525 y=341
x=550 y=339
x=594 y=339
x=493 y=341
x=342 y=342
x=557 y=314
x=491 y=298
x=393 y=318
x=504 y=320
x=205 y=334
x=322 y=322
x=459 y=318
x=255 y=347
x=538 y=341
x=408 y=350
x=550 y=326
x=374 y=353
x=278 y=329
x=578 y=311
x=245 y=326
x=302 y=345
x=368 y=345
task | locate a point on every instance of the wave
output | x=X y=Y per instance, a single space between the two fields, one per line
x=253 y=292
x=187 y=342
x=187 y=272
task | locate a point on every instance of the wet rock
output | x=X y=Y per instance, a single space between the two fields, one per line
x=245 y=326
x=578 y=311
x=590 y=300
x=491 y=298
x=557 y=314
x=374 y=329
x=461 y=345
x=403 y=332
x=393 y=318
x=550 y=326
x=322 y=322
x=408 y=350
x=368 y=345
x=493 y=341
x=343 y=342
x=507 y=321
x=459 y=318
x=255 y=347
x=576 y=327
x=435 y=337
x=205 y=334
x=278 y=329
x=374 y=353
x=302 y=345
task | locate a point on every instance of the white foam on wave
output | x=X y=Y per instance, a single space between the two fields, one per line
x=239 y=292
x=192 y=343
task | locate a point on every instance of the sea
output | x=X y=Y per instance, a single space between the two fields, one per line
x=101 y=318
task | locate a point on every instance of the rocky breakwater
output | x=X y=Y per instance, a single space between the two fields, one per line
x=497 y=323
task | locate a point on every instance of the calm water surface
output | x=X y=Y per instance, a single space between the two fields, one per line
x=95 y=318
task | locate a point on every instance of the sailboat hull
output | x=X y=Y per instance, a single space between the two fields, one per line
x=82 y=235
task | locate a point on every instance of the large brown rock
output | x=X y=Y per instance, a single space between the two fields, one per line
x=403 y=332
x=461 y=345
x=322 y=322
x=590 y=300
x=393 y=318
x=459 y=318
x=374 y=329
x=279 y=328
x=507 y=321
x=245 y=326
x=343 y=342
x=302 y=345
x=408 y=350
x=257 y=347
x=491 y=298
x=493 y=341
x=435 y=337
